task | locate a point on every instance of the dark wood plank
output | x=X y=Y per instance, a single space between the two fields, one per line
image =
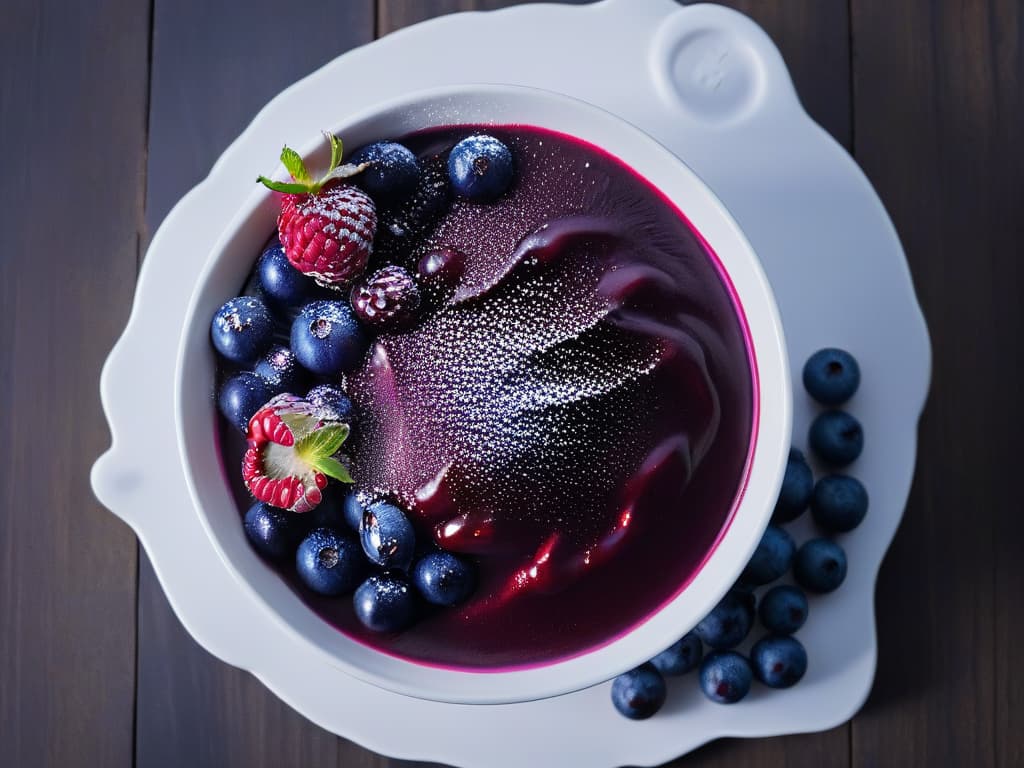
x=938 y=111
x=395 y=14
x=214 y=66
x=70 y=211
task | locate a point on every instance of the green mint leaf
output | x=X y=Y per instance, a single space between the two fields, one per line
x=322 y=443
x=332 y=468
x=284 y=186
x=291 y=160
x=344 y=171
x=336 y=149
x=299 y=424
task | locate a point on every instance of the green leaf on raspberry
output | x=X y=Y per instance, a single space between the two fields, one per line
x=290 y=188
x=332 y=468
x=303 y=183
x=344 y=171
x=322 y=443
x=292 y=161
x=336 y=150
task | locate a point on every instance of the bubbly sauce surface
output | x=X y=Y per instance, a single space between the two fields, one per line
x=572 y=410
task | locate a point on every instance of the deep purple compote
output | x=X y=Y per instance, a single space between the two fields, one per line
x=572 y=409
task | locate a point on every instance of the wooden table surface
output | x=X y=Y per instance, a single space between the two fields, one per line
x=111 y=109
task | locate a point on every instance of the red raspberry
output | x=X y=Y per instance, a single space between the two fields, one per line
x=326 y=229
x=290 y=454
x=329 y=235
x=389 y=298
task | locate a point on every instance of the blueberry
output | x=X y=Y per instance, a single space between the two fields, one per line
x=779 y=661
x=331 y=402
x=273 y=532
x=639 y=693
x=352 y=511
x=280 y=370
x=680 y=657
x=820 y=565
x=783 y=609
x=242 y=329
x=393 y=171
x=771 y=559
x=839 y=504
x=282 y=284
x=797 y=485
x=836 y=437
x=444 y=579
x=831 y=376
x=326 y=338
x=241 y=396
x=385 y=603
x=725 y=677
x=387 y=536
x=329 y=563
x=729 y=621
x=480 y=168
x=329 y=513
x=415 y=217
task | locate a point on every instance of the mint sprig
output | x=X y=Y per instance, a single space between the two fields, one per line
x=302 y=180
x=318 y=448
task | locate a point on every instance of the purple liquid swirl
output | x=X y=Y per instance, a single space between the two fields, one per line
x=573 y=410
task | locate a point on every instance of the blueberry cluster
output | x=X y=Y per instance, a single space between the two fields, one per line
x=291 y=333
x=838 y=504
x=368 y=550
x=322 y=335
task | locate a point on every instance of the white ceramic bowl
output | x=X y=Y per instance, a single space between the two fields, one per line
x=231 y=260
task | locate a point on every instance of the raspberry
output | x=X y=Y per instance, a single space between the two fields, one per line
x=389 y=298
x=329 y=235
x=290 y=454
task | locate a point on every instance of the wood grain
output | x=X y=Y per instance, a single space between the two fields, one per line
x=70 y=209
x=214 y=65
x=938 y=111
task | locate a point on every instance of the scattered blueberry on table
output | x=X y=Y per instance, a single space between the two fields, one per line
x=839 y=503
x=797 y=486
x=772 y=558
x=820 y=565
x=836 y=437
x=725 y=677
x=728 y=623
x=680 y=657
x=783 y=609
x=778 y=661
x=639 y=693
x=831 y=376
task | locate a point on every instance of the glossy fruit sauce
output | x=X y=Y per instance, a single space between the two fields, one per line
x=573 y=411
